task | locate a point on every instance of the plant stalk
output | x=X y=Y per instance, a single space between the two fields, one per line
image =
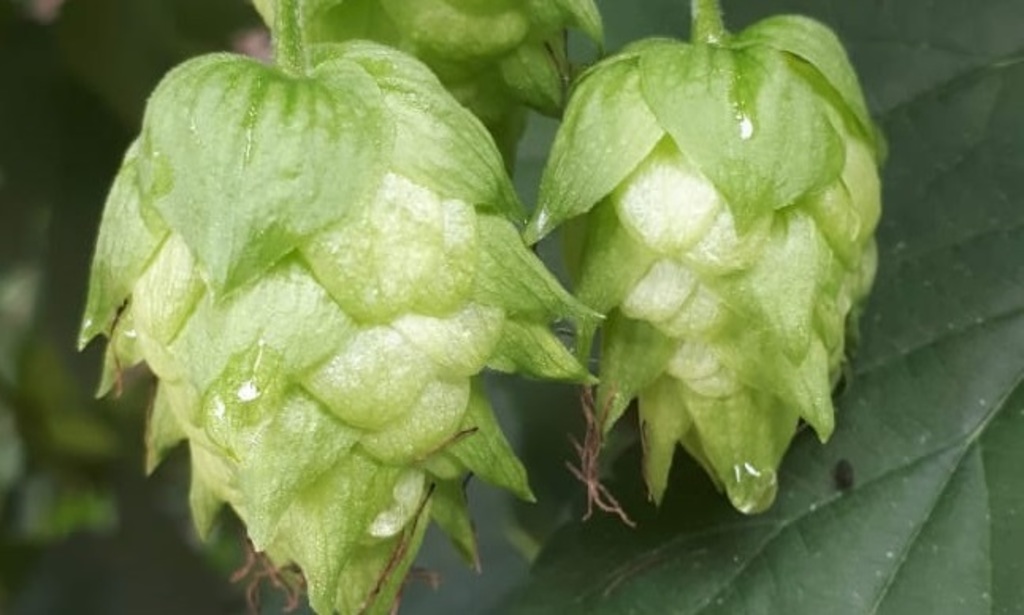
x=289 y=41
x=706 y=16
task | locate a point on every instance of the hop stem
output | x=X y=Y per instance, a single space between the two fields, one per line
x=707 y=21
x=289 y=39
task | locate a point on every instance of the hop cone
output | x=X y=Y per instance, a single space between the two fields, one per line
x=493 y=55
x=730 y=193
x=317 y=268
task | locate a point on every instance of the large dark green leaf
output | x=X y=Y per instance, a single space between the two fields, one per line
x=917 y=503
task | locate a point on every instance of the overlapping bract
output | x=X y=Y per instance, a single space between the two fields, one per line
x=493 y=55
x=730 y=193
x=317 y=268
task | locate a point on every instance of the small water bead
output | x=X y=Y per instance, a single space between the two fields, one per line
x=217 y=423
x=746 y=127
x=752 y=488
x=248 y=391
x=219 y=409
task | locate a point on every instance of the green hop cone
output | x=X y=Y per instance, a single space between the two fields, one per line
x=317 y=267
x=728 y=193
x=494 y=55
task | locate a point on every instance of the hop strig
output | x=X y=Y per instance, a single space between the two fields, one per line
x=317 y=268
x=722 y=197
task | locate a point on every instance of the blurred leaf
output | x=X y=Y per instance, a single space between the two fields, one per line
x=65 y=424
x=48 y=511
x=59 y=147
x=926 y=512
x=19 y=289
x=47 y=425
x=121 y=48
x=11 y=453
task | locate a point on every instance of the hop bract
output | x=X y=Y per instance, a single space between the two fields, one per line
x=316 y=268
x=729 y=191
x=493 y=55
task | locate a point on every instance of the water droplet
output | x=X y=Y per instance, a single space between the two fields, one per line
x=248 y=391
x=746 y=127
x=220 y=411
x=889 y=555
x=753 y=489
x=130 y=333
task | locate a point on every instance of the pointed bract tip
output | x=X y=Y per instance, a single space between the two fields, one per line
x=538 y=227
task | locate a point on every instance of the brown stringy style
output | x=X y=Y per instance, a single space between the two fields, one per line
x=588 y=470
x=258 y=569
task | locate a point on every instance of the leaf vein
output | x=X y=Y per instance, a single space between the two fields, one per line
x=946 y=335
x=1000 y=63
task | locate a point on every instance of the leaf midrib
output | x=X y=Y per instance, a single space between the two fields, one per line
x=994 y=63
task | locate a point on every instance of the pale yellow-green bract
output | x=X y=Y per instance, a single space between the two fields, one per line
x=723 y=196
x=317 y=268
